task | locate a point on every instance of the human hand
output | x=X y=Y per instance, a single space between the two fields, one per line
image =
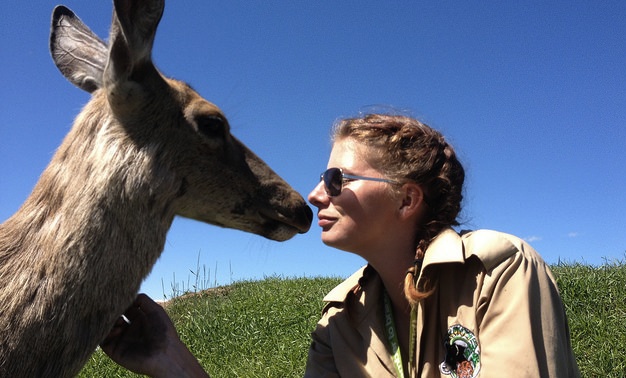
x=148 y=343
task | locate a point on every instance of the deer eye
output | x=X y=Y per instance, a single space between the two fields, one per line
x=211 y=126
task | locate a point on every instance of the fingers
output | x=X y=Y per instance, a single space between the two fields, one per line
x=140 y=307
x=133 y=314
x=146 y=303
x=114 y=333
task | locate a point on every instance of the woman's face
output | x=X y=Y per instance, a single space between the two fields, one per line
x=358 y=219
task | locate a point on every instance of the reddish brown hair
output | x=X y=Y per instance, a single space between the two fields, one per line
x=405 y=149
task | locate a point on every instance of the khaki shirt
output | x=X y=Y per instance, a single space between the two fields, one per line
x=496 y=308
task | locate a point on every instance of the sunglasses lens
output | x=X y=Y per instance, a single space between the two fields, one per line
x=333 y=181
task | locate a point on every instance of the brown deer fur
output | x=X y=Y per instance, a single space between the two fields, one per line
x=144 y=149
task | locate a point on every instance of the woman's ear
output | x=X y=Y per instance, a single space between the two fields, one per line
x=412 y=200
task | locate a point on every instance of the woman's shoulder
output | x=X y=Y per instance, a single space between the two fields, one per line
x=356 y=297
x=494 y=247
x=341 y=291
x=489 y=246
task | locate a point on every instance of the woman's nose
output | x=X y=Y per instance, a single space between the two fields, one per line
x=318 y=196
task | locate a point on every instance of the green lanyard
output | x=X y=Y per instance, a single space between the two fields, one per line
x=392 y=335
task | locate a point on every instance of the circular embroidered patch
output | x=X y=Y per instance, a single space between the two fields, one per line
x=462 y=353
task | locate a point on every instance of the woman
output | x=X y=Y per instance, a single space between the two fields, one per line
x=431 y=301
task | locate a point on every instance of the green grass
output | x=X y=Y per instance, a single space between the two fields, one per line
x=262 y=328
x=595 y=302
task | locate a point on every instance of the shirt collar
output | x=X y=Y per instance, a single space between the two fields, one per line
x=490 y=247
x=446 y=247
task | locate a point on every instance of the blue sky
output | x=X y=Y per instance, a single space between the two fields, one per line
x=531 y=94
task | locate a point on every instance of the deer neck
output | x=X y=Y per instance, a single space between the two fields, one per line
x=103 y=197
x=90 y=231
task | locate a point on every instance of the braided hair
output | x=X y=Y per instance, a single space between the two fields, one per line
x=405 y=149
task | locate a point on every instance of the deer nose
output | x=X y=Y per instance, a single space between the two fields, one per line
x=306 y=218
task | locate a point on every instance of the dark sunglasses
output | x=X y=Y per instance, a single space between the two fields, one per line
x=334 y=178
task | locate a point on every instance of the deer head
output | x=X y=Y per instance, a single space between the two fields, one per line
x=144 y=149
x=208 y=174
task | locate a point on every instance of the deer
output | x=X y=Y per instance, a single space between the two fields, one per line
x=145 y=149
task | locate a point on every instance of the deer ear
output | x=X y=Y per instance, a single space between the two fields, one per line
x=76 y=51
x=132 y=35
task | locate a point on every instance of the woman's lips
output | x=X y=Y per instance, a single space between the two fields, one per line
x=325 y=222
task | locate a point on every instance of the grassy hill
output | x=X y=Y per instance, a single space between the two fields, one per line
x=261 y=328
